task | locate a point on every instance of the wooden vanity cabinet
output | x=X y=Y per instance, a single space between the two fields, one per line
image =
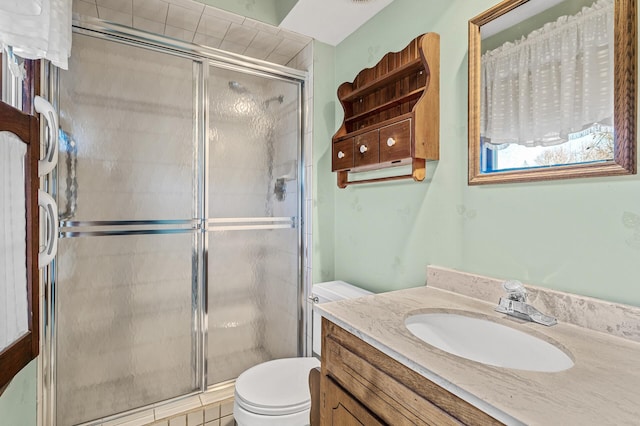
x=359 y=385
x=391 y=114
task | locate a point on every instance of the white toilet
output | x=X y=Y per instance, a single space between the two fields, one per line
x=276 y=393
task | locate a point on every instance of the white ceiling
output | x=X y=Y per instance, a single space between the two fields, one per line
x=331 y=21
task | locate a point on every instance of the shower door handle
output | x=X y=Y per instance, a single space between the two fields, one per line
x=48 y=163
x=51 y=241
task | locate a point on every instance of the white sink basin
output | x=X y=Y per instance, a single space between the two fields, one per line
x=487 y=342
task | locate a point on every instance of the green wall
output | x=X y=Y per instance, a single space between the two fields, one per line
x=580 y=236
x=18 y=402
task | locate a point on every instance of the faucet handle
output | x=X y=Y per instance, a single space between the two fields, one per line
x=515 y=290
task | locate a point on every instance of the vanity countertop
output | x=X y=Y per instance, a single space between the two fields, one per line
x=602 y=388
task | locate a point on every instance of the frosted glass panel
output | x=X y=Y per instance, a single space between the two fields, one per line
x=129 y=114
x=254 y=139
x=253 y=283
x=14 y=314
x=124 y=323
x=253 y=290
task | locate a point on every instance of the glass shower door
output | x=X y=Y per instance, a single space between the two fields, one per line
x=252 y=236
x=125 y=266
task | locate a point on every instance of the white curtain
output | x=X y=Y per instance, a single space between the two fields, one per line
x=37 y=29
x=556 y=81
x=13 y=268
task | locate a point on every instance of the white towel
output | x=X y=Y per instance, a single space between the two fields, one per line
x=38 y=29
x=13 y=268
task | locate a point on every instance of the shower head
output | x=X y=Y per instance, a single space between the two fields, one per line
x=237 y=87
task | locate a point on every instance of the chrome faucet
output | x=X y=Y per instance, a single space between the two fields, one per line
x=515 y=304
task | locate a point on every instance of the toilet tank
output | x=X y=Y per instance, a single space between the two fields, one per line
x=330 y=292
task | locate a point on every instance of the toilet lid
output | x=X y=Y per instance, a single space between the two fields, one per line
x=276 y=387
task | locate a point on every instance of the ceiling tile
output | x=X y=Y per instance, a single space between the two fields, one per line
x=85 y=8
x=295 y=36
x=181 y=17
x=154 y=10
x=206 y=40
x=188 y=4
x=179 y=33
x=278 y=59
x=261 y=26
x=256 y=53
x=232 y=47
x=289 y=47
x=213 y=26
x=148 y=25
x=223 y=14
x=266 y=42
x=240 y=35
x=123 y=6
x=115 y=16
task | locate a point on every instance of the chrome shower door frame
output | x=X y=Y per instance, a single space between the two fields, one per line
x=203 y=58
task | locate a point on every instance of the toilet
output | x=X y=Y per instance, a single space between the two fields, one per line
x=276 y=393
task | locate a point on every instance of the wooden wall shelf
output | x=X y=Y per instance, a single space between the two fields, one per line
x=391 y=114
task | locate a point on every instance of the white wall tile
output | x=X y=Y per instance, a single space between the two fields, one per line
x=289 y=47
x=182 y=17
x=226 y=408
x=85 y=8
x=265 y=41
x=188 y=4
x=123 y=6
x=207 y=40
x=178 y=421
x=223 y=14
x=179 y=33
x=261 y=26
x=115 y=16
x=195 y=418
x=227 y=421
x=240 y=34
x=213 y=26
x=232 y=47
x=211 y=413
x=148 y=25
x=278 y=59
x=154 y=10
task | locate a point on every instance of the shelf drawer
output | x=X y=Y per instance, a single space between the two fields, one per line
x=342 y=157
x=395 y=141
x=366 y=149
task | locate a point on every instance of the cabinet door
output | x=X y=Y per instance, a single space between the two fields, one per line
x=395 y=141
x=342 y=158
x=341 y=409
x=366 y=148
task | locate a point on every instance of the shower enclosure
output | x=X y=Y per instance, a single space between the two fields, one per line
x=179 y=263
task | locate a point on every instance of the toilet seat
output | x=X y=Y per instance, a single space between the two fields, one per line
x=276 y=388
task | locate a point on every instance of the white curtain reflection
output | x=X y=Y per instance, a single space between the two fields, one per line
x=13 y=269
x=556 y=81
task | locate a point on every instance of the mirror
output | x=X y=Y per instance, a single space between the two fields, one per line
x=552 y=90
x=19 y=296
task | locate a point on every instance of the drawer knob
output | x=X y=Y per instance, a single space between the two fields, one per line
x=391 y=142
x=340 y=154
x=363 y=149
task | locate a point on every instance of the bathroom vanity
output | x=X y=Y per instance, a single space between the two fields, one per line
x=362 y=384
x=375 y=371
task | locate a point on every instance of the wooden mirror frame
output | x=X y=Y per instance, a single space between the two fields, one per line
x=26 y=127
x=624 y=109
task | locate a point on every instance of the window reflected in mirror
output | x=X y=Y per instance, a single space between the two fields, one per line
x=552 y=90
